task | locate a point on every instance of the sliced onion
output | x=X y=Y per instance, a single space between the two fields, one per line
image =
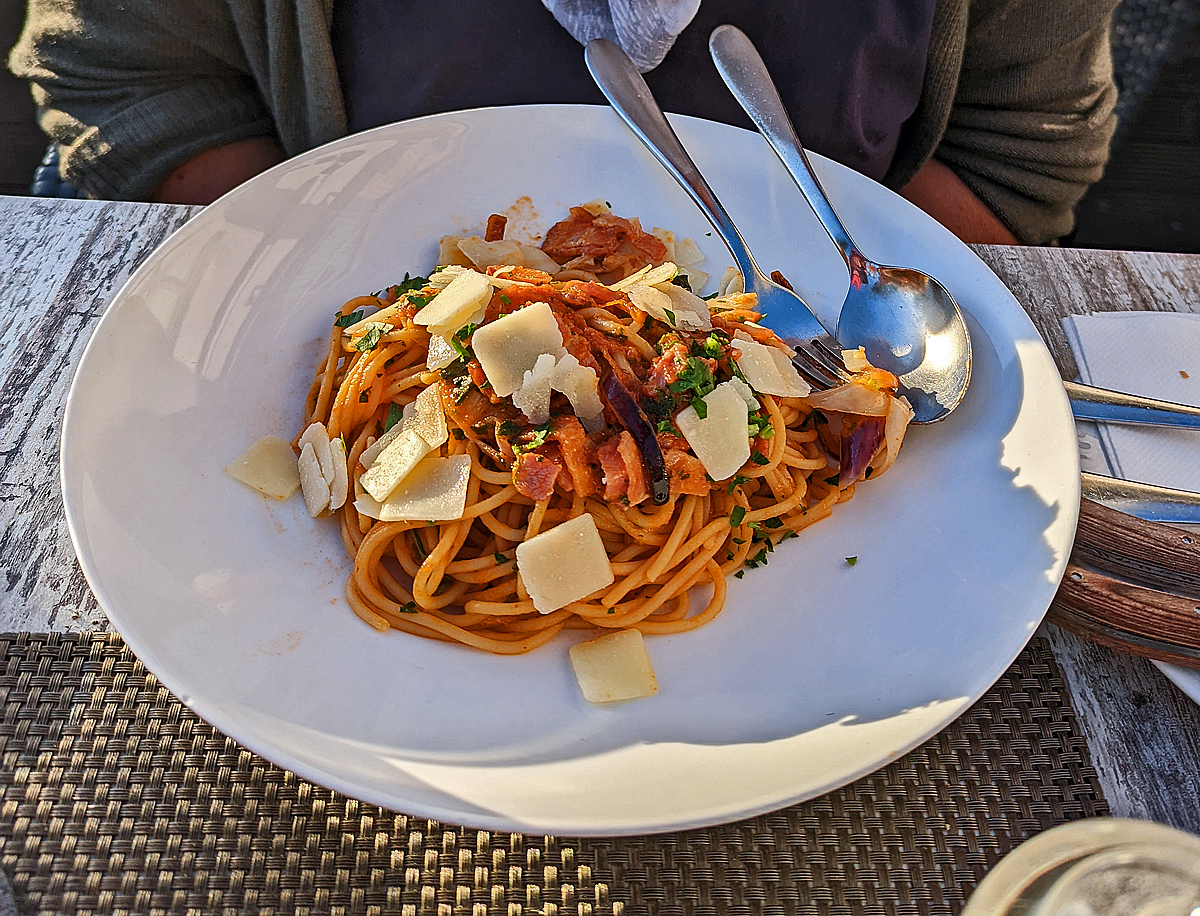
x=851 y=398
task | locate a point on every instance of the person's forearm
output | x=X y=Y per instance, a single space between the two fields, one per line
x=944 y=196
x=205 y=177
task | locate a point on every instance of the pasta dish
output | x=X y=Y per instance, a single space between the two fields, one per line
x=568 y=436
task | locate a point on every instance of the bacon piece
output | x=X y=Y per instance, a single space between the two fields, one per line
x=585 y=235
x=686 y=472
x=534 y=475
x=666 y=369
x=577 y=453
x=584 y=293
x=523 y=274
x=624 y=475
x=495 y=227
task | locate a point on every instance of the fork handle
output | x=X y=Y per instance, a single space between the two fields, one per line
x=631 y=98
x=1088 y=403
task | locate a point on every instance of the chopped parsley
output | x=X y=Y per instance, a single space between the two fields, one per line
x=458 y=342
x=364 y=396
x=759 y=426
x=418 y=546
x=535 y=438
x=670 y=316
x=395 y=412
x=695 y=376
x=455 y=370
x=681 y=279
x=409 y=607
x=712 y=346
x=737 y=481
x=833 y=481
x=736 y=516
x=850 y=561
x=410 y=284
x=760 y=558
x=667 y=426
x=759 y=458
x=344 y=321
x=370 y=339
x=508 y=429
x=501 y=559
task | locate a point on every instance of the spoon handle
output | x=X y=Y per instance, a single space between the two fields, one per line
x=747 y=77
x=629 y=95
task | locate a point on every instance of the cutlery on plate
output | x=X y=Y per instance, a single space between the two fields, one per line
x=907 y=321
x=818 y=355
x=1089 y=403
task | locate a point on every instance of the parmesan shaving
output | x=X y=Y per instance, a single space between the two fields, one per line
x=269 y=466
x=509 y=347
x=313 y=486
x=731 y=283
x=720 y=440
x=767 y=368
x=613 y=667
x=564 y=564
x=461 y=303
x=491 y=254
x=691 y=312
x=435 y=491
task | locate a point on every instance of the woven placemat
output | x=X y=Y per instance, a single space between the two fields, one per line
x=116 y=799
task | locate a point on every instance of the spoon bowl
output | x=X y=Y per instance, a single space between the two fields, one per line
x=907 y=322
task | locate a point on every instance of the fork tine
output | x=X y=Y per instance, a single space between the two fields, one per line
x=833 y=354
x=815 y=368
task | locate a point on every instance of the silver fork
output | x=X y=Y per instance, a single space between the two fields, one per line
x=818 y=354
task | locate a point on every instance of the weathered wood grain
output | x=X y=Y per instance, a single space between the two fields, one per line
x=1143 y=733
x=60 y=263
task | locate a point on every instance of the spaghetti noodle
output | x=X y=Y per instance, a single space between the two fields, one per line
x=666 y=525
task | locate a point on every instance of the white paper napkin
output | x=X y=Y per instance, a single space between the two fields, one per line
x=1155 y=354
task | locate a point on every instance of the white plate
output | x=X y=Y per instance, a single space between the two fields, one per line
x=817 y=672
x=1186 y=679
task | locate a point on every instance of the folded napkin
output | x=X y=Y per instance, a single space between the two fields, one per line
x=1154 y=354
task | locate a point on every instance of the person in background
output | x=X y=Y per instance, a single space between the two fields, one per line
x=994 y=116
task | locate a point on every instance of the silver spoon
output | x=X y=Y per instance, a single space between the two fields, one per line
x=907 y=321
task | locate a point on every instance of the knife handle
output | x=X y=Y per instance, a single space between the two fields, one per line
x=1088 y=403
x=1158 y=556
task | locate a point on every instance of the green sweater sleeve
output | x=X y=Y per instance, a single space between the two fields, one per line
x=130 y=91
x=1032 y=116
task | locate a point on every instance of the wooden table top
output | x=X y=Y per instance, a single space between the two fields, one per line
x=61 y=261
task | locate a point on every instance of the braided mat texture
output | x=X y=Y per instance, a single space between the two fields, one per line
x=116 y=799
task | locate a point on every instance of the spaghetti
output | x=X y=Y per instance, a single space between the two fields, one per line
x=666 y=525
